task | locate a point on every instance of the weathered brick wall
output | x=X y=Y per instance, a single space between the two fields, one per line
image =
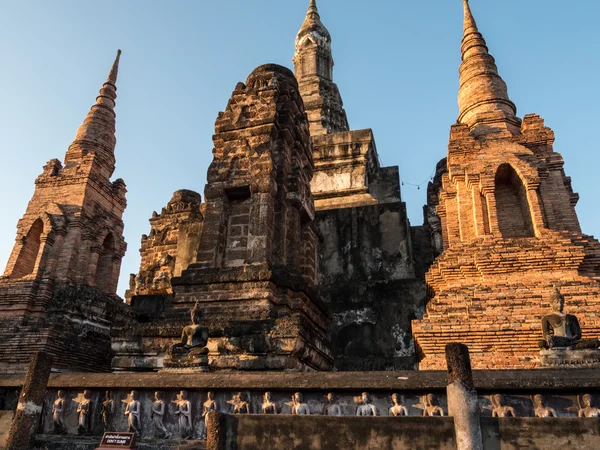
x=367 y=273
x=72 y=322
x=346 y=167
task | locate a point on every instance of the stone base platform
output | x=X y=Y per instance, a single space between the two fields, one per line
x=48 y=442
x=565 y=358
x=192 y=363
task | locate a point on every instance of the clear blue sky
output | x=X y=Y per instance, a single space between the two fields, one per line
x=396 y=66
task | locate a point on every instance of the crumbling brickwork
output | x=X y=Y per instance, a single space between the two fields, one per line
x=171 y=245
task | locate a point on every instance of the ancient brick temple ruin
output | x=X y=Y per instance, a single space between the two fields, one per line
x=509 y=229
x=311 y=293
x=58 y=292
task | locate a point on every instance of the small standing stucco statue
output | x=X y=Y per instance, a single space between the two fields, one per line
x=367 y=408
x=209 y=405
x=431 y=406
x=84 y=411
x=240 y=405
x=332 y=408
x=107 y=410
x=539 y=407
x=298 y=406
x=562 y=330
x=499 y=409
x=184 y=413
x=133 y=411
x=269 y=406
x=398 y=409
x=58 y=413
x=158 y=415
x=586 y=407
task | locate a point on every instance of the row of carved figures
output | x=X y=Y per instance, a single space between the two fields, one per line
x=429 y=405
x=584 y=407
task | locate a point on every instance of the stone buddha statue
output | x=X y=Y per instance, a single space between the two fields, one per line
x=562 y=330
x=191 y=351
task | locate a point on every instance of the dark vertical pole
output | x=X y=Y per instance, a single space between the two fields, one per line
x=29 y=409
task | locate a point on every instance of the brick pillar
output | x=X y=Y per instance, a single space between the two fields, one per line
x=462 y=398
x=215 y=431
x=29 y=409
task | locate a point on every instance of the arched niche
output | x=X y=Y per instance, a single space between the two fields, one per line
x=104 y=268
x=512 y=206
x=29 y=252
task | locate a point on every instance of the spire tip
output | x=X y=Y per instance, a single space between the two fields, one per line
x=114 y=71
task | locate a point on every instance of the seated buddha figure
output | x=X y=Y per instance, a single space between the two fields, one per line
x=194 y=338
x=562 y=330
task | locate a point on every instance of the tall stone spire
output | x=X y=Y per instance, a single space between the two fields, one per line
x=97 y=133
x=483 y=96
x=313 y=64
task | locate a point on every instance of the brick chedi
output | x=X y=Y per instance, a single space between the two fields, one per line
x=58 y=293
x=509 y=229
x=256 y=262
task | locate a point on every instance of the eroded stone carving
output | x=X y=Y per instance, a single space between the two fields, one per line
x=269 y=406
x=562 y=330
x=209 y=405
x=184 y=415
x=107 y=411
x=332 y=408
x=431 y=406
x=562 y=345
x=133 y=411
x=298 y=406
x=499 y=409
x=367 y=408
x=58 y=413
x=158 y=415
x=191 y=353
x=240 y=405
x=398 y=409
x=539 y=407
x=586 y=406
x=84 y=412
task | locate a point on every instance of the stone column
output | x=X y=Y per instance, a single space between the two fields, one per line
x=29 y=409
x=462 y=398
x=215 y=431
